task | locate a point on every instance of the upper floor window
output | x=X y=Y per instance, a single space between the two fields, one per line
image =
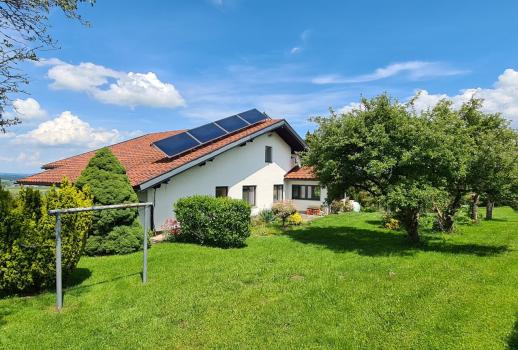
x=268 y=154
x=249 y=195
x=221 y=191
x=309 y=192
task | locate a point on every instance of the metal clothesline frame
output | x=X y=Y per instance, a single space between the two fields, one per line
x=58 y=212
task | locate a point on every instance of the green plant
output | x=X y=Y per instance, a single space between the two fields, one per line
x=283 y=210
x=267 y=216
x=295 y=219
x=27 y=242
x=391 y=223
x=109 y=184
x=221 y=221
x=120 y=240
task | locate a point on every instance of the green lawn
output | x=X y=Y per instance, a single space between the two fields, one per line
x=340 y=282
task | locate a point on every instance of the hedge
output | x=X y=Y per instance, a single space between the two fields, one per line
x=220 y=222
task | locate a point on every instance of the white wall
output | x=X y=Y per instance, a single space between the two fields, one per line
x=303 y=204
x=238 y=167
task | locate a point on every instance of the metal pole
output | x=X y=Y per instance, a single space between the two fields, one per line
x=146 y=216
x=59 y=287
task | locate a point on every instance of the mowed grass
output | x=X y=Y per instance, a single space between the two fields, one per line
x=339 y=282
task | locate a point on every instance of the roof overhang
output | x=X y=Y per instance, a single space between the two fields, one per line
x=282 y=128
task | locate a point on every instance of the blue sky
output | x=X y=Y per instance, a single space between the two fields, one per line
x=147 y=66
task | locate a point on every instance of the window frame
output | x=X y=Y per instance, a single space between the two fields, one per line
x=268 y=154
x=276 y=193
x=254 y=187
x=216 y=191
x=303 y=190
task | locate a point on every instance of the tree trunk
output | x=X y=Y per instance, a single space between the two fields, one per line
x=412 y=224
x=446 y=218
x=489 y=210
x=474 y=207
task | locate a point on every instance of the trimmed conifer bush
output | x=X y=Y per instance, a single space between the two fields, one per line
x=114 y=231
x=27 y=240
x=221 y=222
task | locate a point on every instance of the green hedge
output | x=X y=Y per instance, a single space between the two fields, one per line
x=221 y=222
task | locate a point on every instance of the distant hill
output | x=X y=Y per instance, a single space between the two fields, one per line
x=12 y=176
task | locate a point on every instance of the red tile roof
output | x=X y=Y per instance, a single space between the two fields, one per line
x=301 y=173
x=140 y=158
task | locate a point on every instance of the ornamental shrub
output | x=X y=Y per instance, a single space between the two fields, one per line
x=109 y=184
x=294 y=219
x=267 y=216
x=221 y=222
x=283 y=210
x=27 y=242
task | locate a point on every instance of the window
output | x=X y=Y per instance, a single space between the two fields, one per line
x=221 y=191
x=249 y=194
x=278 y=193
x=268 y=154
x=308 y=192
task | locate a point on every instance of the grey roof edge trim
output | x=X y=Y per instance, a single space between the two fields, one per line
x=160 y=178
x=302 y=142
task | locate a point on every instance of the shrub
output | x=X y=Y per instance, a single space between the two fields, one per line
x=27 y=243
x=283 y=210
x=120 y=240
x=221 y=222
x=267 y=216
x=340 y=206
x=109 y=184
x=391 y=223
x=294 y=219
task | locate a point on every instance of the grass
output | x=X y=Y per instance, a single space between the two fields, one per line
x=339 y=282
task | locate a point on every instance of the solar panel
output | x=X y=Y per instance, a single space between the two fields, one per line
x=176 y=144
x=253 y=116
x=207 y=132
x=232 y=123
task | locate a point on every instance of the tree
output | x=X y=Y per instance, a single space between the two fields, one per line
x=27 y=241
x=24 y=32
x=115 y=231
x=377 y=148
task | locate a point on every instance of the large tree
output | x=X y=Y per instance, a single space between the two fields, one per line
x=24 y=32
x=379 y=148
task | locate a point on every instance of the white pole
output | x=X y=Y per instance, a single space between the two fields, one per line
x=59 y=287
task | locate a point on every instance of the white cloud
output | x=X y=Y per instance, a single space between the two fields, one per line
x=68 y=129
x=303 y=41
x=140 y=89
x=114 y=87
x=295 y=50
x=28 y=109
x=503 y=97
x=415 y=70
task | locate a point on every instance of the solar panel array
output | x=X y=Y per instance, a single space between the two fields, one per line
x=186 y=141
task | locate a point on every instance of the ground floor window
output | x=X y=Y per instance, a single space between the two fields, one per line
x=278 y=193
x=249 y=194
x=221 y=191
x=309 y=192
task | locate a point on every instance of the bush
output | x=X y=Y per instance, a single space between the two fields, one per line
x=267 y=216
x=109 y=184
x=120 y=240
x=340 y=206
x=391 y=223
x=221 y=222
x=294 y=219
x=283 y=210
x=27 y=242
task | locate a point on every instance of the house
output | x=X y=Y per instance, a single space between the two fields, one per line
x=247 y=156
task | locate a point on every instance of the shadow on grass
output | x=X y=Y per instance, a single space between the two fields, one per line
x=85 y=286
x=513 y=338
x=377 y=242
